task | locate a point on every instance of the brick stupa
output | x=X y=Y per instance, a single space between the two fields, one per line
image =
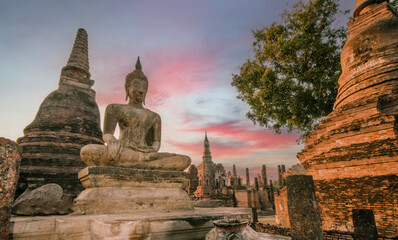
x=67 y=120
x=353 y=153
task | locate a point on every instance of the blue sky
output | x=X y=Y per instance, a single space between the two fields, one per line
x=189 y=51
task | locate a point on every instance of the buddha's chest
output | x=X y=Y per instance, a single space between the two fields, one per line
x=137 y=118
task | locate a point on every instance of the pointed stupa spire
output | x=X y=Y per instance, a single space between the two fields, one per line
x=206 y=151
x=79 y=56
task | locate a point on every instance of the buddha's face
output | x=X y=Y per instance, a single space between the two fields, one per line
x=137 y=90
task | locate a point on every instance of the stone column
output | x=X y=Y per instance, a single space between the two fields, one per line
x=260 y=181
x=305 y=220
x=247 y=177
x=271 y=191
x=256 y=182
x=283 y=180
x=264 y=174
x=279 y=176
x=10 y=160
x=234 y=171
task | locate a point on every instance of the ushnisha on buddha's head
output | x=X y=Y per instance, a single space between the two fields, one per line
x=136 y=85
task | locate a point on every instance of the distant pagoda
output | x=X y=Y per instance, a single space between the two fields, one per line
x=353 y=153
x=67 y=120
x=206 y=172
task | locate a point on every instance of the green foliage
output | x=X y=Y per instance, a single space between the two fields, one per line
x=291 y=82
x=394 y=3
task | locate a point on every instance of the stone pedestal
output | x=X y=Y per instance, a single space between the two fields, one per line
x=125 y=190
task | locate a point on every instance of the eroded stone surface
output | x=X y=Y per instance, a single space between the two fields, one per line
x=46 y=200
x=354 y=150
x=10 y=160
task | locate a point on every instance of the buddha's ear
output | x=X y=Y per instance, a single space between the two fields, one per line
x=127 y=94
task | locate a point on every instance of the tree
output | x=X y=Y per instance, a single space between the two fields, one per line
x=291 y=82
x=394 y=4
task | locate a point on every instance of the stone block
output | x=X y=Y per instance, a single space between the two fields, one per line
x=63 y=226
x=305 y=220
x=40 y=225
x=45 y=200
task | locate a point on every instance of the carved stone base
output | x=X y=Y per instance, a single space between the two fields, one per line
x=125 y=190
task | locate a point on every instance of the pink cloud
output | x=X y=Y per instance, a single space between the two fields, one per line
x=222 y=150
x=179 y=73
x=116 y=95
x=259 y=137
x=235 y=139
x=170 y=73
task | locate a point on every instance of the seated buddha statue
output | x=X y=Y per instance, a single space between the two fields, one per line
x=140 y=133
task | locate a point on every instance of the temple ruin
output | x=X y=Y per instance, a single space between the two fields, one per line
x=67 y=119
x=353 y=153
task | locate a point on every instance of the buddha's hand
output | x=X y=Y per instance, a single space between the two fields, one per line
x=143 y=149
x=113 y=147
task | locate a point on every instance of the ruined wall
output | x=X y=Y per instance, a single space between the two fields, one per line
x=252 y=199
x=264 y=199
x=376 y=193
x=243 y=198
x=281 y=211
x=327 y=234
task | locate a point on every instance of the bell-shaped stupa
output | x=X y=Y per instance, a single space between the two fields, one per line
x=67 y=120
x=353 y=153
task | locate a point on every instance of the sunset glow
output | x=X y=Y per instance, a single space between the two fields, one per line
x=188 y=49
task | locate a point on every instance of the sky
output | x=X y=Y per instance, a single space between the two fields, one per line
x=188 y=50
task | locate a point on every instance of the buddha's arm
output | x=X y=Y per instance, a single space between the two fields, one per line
x=157 y=127
x=110 y=121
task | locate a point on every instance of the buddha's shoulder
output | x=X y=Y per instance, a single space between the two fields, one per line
x=116 y=106
x=151 y=113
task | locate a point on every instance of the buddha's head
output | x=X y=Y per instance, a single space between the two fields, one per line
x=136 y=84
